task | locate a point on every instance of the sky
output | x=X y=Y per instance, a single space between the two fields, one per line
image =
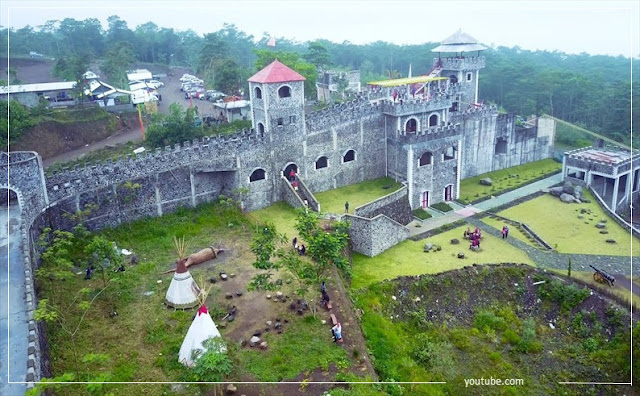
x=594 y=27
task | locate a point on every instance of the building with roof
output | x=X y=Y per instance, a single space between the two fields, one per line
x=30 y=94
x=428 y=132
x=612 y=173
x=329 y=83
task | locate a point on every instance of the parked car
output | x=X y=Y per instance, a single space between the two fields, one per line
x=155 y=84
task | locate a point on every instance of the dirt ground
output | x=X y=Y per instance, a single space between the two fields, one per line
x=29 y=71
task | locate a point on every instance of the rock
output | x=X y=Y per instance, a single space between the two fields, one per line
x=551 y=325
x=460 y=255
x=279 y=294
x=417 y=299
x=394 y=298
x=566 y=198
x=238 y=293
x=576 y=200
x=231 y=318
x=577 y=188
x=568 y=188
x=254 y=341
x=263 y=345
x=455 y=241
x=288 y=281
x=279 y=282
x=486 y=181
x=228 y=296
x=438 y=248
x=583 y=211
x=222 y=325
x=231 y=389
x=577 y=194
x=600 y=225
x=323 y=321
x=134 y=259
x=148 y=293
x=269 y=323
x=257 y=333
x=514 y=176
x=556 y=191
x=604 y=231
x=232 y=275
x=268 y=296
x=223 y=276
x=610 y=241
x=213 y=280
x=603 y=220
x=428 y=246
x=586 y=201
x=581 y=216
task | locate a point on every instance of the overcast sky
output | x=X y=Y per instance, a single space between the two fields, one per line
x=595 y=27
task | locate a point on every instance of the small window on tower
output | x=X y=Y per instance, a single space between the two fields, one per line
x=280 y=121
x=292 y=119
x=468 y=76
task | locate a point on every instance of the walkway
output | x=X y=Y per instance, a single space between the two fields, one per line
x=13 y=311
x=519 y=192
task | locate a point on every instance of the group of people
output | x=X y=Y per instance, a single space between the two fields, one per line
x=301 y=248
x=336 y=331
x=474 y=237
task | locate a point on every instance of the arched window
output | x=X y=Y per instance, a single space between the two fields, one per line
x=258 y=93
x=258 y=174
x=453 y=79
x=322 y=162
x=284 y=92
x=501 y=146
x=261 y=129
x=426 y=158
x=449 y=153
x=433 y=120
x=411 y=125
x=349 y=156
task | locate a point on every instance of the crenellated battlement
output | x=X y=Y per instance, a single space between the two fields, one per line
x=340 y=113
x=416 y=106
x=460 y=63
x=430 y=133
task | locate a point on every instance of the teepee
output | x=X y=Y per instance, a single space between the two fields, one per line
x=202 y=328
x=183 y=291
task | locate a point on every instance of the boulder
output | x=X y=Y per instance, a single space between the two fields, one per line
x=455 y=241
x=223 y=276
x=428 y=246
x=611 y=241
x=583 y=211
x=601 y=225
x=263 y=345
x=567 y=198
x=586 y=200
x=228 y=296
x=568 y=188
x=603 y=220
x=279 y=294
x=231 y=389
x=460 y=255
x=486 y=181
x=577 y=194
x=578 y=189
x=254 y=341
x=555 y=191
x=581 y=216
x=604 y=231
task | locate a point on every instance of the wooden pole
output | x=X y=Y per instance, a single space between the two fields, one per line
x=140 y=120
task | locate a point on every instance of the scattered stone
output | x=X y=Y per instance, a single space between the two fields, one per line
x=566 y=198
x=428 y=246
x=257 y=333
x=461 y=255
x=583 y=211
x=551 y=325
x=568 y=188
x=417 y=299
x=394 y=298
x=292 y=306
x=231 y=318
x=604 y=231
x=263 y=345
x=232 y=275
x=269 y=323
x=223 y=276
x=323 y=321
x=513 y=175
x=213 y=280
x=611 y=241
x=134 y=259
x=148 y=293
x=300 y=312
x=223 y=325
x=228 y=296
x=159 y=281
x=486 y=181
x=231 y=389
x=279 y=282
x=577 y=188
x=586 y=200
x=438 y=248
x=603 y=220
x=268 y=296
x=288 y=281
x=577 y=194
x=601 y=225
x=556 y=191
x=279 y=294
x=581 y=216
x=254 y=341
x=455 y=241
x=238 y=293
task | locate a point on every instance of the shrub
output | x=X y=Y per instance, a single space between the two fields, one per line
x=568 y=297
x=442 y=206
x=528 y=343
x=421 y=214
x=512 y=337
x=487 y=320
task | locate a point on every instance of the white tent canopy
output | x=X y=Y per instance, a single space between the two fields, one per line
x=183 y=291
x=202 y=328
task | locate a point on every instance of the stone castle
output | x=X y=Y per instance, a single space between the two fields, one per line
x=428 y=132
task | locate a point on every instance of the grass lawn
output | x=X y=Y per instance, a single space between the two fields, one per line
x=471 y=189
x=332 y=201
x=408 y=258
x=618 y=290
x=513 y=230
x=281 y=214
x=558 y=224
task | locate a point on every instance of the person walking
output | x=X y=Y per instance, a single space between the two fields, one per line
x=337 y=332
x=505 y=232
x=292 y=175
x=346 y=207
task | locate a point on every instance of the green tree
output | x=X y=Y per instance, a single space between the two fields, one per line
x=175 y=127
x=117 y=60
x=295 y=62
x=21 y=121
x=318 y=55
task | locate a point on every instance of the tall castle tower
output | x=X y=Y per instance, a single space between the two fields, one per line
x=461 y=70
x=277 y=102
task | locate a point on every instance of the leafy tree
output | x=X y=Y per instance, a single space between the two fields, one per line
x=104 y=257
x=117 y=60
x=228 y=77
x=175 y=127
x=21 y=121
x=318 y=55
x=295 y=62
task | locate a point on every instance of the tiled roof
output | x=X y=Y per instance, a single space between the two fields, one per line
x=276 y=72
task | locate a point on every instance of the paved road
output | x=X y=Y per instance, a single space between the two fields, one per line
x=519 y=192
x=13 y=312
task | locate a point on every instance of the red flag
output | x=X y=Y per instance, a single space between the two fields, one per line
x=271 y=42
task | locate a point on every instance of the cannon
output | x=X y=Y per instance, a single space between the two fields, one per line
x=602 y=277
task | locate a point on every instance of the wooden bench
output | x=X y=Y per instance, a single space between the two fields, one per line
x=334 y=320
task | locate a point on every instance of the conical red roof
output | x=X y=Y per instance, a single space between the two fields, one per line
x=276 y=72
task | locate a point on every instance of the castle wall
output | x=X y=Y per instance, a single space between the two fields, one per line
x=373 y=236
x=394 y=205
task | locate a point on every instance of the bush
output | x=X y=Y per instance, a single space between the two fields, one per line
x=512 y=337
x=568 y=297
x=442 y=206
x=487 y=320
x=421 y=214
x=528 y=343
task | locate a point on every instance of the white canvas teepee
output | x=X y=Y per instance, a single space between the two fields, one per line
x=183 y=291
x=202 y=328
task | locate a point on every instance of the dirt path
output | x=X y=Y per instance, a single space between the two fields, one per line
x=132 y=135
x=626 y=283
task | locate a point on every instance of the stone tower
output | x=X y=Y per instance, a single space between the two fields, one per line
x=461 y=70
x=277 y=102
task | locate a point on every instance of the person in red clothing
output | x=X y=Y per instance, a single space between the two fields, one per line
x=292 y=175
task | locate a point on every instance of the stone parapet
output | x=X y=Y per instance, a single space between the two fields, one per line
x=394 y=205
x=416 y=106
x=373 y=236
x=461 y=63
x=340 y=113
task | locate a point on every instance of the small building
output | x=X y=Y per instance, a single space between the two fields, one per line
x=57 y=93
x=139 y=75
x=611 y=172
x=108 y=96
x=331 y=82
x=232 y=111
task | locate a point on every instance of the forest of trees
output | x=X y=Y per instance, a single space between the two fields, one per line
x=590 y=91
